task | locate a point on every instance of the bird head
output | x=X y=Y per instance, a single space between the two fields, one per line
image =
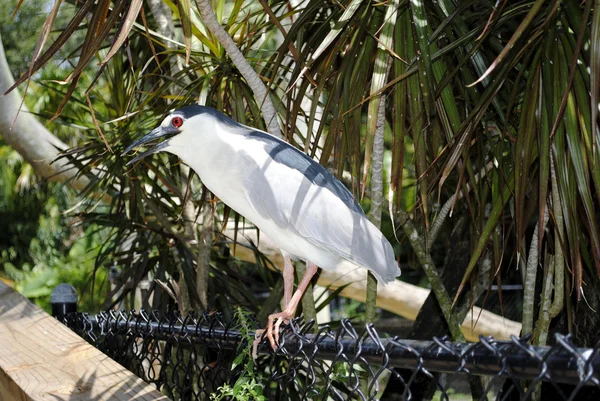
x=176 y=124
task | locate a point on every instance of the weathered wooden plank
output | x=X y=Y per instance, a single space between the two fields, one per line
x=41 y=359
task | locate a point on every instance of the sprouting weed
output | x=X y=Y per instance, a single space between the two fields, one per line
x=249 y=386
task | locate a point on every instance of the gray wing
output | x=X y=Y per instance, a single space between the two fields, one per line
x=284 y=153
x=300 y=195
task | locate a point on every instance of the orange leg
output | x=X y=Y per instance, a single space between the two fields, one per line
x=288 y=280
x=276 y=319
x=290 y=304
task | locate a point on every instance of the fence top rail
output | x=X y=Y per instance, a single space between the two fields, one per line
x=560 y=363
x=40 y=358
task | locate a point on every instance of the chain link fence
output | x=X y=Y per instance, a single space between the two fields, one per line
x=202 y=358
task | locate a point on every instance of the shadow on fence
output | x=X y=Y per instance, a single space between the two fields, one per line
x=201 y=358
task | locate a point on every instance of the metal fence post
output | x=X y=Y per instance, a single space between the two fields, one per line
x=63 y=300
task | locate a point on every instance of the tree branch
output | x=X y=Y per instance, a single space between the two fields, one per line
x=432 y=274
x=449 y=205
x=376 y=200
x=256 y=84
x=533 y=262
x=551 y=306
x=38 y=146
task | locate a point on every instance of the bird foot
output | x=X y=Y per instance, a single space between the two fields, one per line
x=274 y=325
x=273 y=328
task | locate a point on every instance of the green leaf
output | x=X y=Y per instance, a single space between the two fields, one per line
x=127 y=25
x=513 y=40
x=498 y=205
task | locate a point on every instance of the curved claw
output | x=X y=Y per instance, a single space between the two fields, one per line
x=274 y=325
x=276 y=319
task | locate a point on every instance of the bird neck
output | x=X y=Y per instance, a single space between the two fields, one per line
x=209 y=151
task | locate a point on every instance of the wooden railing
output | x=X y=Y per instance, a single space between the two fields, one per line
x=41 y=359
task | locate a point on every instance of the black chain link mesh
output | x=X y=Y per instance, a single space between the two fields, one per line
x=200 y=358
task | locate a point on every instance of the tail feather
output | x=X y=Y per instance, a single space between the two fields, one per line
x=374 y=252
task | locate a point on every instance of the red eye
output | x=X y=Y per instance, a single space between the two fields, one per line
x=177 y=122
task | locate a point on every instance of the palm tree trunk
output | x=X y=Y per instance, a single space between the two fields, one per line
x=258 y=87
x=38 y=146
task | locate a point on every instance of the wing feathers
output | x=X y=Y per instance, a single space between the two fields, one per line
x=324 y=215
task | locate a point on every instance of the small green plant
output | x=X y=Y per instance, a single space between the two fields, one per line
x=249 y=386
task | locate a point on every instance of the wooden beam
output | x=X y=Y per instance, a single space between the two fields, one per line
x=398 y=297
x=41 y=359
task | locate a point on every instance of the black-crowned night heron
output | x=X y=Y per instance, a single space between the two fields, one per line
x=294 y=200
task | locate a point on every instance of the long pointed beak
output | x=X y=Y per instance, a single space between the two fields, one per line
x=156 y=133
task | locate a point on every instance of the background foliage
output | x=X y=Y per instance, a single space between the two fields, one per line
x=41 y=245
x=490 y=144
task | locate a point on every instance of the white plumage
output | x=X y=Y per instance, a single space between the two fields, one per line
x=302 y=207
